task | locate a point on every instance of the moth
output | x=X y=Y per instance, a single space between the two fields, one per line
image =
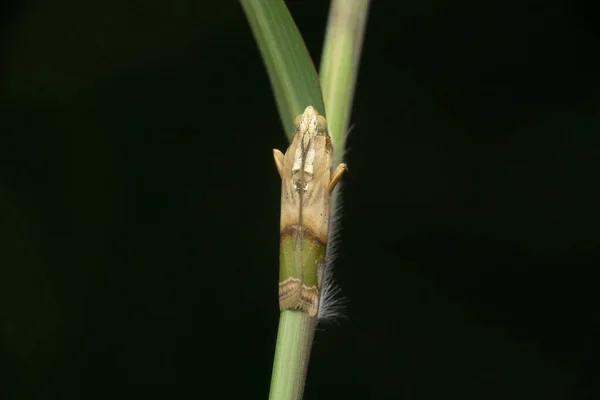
x=307 y=181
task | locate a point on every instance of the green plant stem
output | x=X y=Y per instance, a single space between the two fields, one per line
x=294 y=341
x=338 y=72
x=339 y=65
x=296 y=85
x=339 y=68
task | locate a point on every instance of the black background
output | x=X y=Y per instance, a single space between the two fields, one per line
x=139 y=203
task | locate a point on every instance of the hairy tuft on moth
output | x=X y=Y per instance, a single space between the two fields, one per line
x=308 y=180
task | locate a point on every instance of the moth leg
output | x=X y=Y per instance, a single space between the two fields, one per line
x=279 y=161
x=337 y=175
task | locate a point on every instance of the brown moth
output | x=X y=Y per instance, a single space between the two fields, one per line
x=308 y=180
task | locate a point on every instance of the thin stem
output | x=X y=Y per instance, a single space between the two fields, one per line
x=339 y=69
x=294 y=341
x=339 y=65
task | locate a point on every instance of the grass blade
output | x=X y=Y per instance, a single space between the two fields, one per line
x=339 y=65
x=291 y=71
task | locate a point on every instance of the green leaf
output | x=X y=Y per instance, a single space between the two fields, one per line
x=339 y=65
x=291 y=71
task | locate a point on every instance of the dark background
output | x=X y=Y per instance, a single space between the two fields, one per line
x=139 y=203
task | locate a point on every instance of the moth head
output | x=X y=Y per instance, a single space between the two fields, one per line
x=310 y=121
